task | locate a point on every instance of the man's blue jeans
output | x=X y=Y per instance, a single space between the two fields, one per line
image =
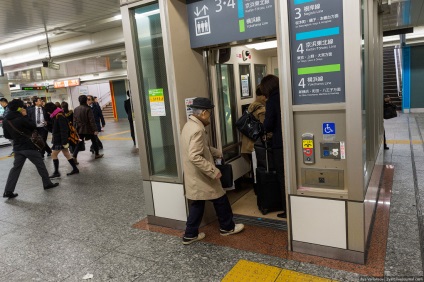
x=223 y=211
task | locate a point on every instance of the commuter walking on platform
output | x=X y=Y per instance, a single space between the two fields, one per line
x=271 y=89
x=98 y=118
x=201 y=177
x=60 y=132
x=38 y=115
x=85 y=126
x=4 y=103
x=69 y=114
x=128 y=110
x=17 y=127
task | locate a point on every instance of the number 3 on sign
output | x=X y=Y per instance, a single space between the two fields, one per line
x=298 y=14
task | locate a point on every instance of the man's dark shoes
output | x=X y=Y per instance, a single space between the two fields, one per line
x=55 y=175
x=74 y=171
x=386 y=148
x=50 y=186
x=10 y=195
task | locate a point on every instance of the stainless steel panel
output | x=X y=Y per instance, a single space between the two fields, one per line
x=166 y=222
x=148 y=198
x=323 y=178
x=329 y=252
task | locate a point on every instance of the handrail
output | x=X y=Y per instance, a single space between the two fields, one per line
x=398 y=67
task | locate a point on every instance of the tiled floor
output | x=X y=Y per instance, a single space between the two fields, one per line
x=85 y=225
x=273 y=242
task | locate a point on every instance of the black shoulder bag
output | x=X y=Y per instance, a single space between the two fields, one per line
x=35 y=138
x=250 y=126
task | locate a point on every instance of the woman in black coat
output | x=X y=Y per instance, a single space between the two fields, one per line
x=60 y=133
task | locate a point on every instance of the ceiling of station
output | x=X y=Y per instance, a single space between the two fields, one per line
x=23 y=18
x=402 y=13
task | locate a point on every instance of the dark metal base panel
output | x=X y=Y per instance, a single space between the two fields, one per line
x=262 y=222
x=166 y=222
x=329 y=252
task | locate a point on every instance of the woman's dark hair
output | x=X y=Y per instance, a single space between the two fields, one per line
x=82 y=99
x=65 y=106
x=50 y=107
x=15 y=104
x=269 y=84
x=258 y=91
x=58 y=105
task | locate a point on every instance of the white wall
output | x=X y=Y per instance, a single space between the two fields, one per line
x=100 y=90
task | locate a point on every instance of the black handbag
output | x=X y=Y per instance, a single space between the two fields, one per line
x=390 y=111
x=250 y=126
x=81 y=145
x=35 y=138
x=227 y=175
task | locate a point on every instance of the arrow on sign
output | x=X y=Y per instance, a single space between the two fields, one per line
x=204 y=9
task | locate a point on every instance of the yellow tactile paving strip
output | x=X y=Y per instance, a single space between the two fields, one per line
x=248 y=271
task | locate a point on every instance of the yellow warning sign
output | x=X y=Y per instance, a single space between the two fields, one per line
x=308 y=144
x=248 y=271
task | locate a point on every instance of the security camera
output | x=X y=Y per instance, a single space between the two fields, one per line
x=245 y=54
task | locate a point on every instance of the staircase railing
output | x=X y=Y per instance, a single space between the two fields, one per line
x=399 y=75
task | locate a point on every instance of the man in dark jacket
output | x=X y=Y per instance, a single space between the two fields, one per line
x=98 y=118
x=128 y=110
x=14 y=124
x=37 y=114
x=85 y=126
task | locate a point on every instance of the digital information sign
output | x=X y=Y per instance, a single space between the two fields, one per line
x=213 y=22
x=31 y=88
x=317 y=51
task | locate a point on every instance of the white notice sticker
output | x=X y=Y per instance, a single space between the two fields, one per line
x=342 y=150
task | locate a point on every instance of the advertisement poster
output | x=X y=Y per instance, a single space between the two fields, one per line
x=244 y=85
x=157 y=102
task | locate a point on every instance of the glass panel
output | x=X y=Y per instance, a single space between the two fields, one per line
x=227 y=111
x=260 y=72
x=159 y=135
x=245 y=81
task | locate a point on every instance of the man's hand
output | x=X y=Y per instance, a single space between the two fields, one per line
x=96 y=133
x=24 y=112
x=219 y=175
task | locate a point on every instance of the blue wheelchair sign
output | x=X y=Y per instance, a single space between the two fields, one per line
x=328 y=128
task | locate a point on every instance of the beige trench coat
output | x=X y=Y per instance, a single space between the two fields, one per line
x=198 y=163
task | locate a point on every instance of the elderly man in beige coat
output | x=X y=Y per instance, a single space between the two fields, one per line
x=201 y=177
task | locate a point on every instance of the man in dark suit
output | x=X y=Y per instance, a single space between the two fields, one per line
x=15 y=123
x=37 y=114
x=128 y=110
x=98 y=118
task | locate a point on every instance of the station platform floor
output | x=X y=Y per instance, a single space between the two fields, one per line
x=93 y=224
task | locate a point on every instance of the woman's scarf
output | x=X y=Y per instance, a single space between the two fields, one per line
x=58 y=110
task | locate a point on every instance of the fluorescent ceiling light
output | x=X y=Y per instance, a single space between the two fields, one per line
x=263 y=45
x=146 y=14
x=22 y=42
